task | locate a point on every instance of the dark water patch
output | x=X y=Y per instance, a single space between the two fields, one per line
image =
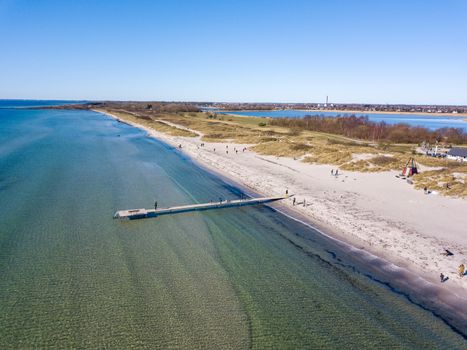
x=352 y=281
x=417 y=295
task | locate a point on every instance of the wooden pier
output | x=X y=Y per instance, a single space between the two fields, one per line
x=134 y=214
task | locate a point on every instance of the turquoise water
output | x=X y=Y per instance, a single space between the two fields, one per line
x=35 y=103
x=72 y=277
x=425 y=120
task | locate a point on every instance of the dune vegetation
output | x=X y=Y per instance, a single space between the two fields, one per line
x=152 y=123
x=268 y=137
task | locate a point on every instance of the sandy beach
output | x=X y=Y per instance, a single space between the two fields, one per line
x=375 y=212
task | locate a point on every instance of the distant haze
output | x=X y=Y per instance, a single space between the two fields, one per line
x=411 y=52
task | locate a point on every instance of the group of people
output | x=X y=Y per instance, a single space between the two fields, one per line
x=214 y=149
x=294 y=201
x=235 y=149
x=460 y=270
x=335 y=173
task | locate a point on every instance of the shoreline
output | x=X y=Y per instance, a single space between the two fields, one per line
x=317 y=111
x=435 y=114
x=395 y=274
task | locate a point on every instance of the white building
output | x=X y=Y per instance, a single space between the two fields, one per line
x=459 y=154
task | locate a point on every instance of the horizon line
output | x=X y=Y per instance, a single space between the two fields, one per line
x=232 y=102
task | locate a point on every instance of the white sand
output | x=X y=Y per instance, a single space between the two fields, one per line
x=375 y=211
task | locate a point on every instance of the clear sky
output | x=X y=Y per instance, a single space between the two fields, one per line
x=393 y=51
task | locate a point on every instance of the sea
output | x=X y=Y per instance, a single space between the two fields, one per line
x=71 y=276
x=428 y=121
x=20 y=103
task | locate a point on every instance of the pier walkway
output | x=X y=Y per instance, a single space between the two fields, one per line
x=134 y=214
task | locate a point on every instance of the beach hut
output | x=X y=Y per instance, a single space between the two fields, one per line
x=410 y=168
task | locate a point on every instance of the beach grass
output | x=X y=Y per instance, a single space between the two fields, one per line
x=446 y=181
x=308 y=146
x=153 y=123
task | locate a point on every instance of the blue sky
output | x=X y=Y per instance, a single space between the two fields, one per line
x=255 y=51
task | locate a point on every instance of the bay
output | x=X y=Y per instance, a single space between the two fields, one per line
x=428 y=121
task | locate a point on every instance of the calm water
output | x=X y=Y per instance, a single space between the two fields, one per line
x=35 y=103
x=425 y=120
x=72 y=277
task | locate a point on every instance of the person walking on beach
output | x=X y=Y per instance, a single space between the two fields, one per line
x=287 y=192
x=304 y=202
x=441 y=276
x=337 y=171
x=294 y=199
x=332 y=172
x=461 y=270
x=155 y=205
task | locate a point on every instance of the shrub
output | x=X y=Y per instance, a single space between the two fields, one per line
x=300 y=147
x=364 y=129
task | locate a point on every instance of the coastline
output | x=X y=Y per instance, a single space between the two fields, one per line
x=447 y=115
x=397 y=273
x=317 y=111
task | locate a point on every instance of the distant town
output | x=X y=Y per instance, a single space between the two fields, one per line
x=394 y=108
x=193 y=106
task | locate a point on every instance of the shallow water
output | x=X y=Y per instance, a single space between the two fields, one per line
x=71 y=276
x=425 y=120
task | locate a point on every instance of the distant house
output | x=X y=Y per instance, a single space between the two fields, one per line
x=459 y=154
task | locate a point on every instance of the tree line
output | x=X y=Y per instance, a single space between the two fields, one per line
x=154 y=107
x=362 y=128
